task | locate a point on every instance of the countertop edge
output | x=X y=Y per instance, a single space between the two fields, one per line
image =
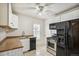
x=12 y=49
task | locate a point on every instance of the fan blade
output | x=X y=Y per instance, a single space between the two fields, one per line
x=37 y=4
x=30 y=8
x=48 y=4
x=27 y=8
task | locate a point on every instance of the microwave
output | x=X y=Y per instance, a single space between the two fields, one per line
x=52 y=26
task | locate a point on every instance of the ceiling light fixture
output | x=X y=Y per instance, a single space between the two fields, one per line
x=39 y=13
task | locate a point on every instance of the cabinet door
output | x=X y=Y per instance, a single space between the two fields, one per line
x=75 y=14
x=13 y=21
x=3 y=14
x=66 y=17
x=26 y=44
x=70 y=15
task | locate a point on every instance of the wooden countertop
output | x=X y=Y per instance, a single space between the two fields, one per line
x=10 y=43
x=18 y=36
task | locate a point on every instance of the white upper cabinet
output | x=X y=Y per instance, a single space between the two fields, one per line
x=53 y=20
x=7 y=18
x=3 y=14
x=13 y=21
x=76 y=14
x=66 y=17
x=70 y=15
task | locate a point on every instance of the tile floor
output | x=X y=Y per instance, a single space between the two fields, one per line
x=41 y=50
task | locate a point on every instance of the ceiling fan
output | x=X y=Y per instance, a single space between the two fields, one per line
x=40 y=7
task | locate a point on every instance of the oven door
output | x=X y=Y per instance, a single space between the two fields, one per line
x=52 y=45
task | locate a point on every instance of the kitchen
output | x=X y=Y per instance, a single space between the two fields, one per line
x=29 y=29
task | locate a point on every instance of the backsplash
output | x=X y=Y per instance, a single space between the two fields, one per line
x=2 y=34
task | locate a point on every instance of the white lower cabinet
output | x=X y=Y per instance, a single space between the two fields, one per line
x=26 y=44
x=15 y=52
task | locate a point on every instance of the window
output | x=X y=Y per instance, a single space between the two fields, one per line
x=36 y=31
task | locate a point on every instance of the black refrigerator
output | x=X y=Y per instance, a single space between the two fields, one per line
x=68 y=38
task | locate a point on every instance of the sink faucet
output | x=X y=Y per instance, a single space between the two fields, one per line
x=23 y=34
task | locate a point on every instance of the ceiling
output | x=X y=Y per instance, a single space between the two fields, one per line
x=49 y=10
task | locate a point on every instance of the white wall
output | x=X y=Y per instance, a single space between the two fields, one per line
x=25 y=24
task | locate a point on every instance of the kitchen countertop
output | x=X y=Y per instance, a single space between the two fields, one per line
x=12 y=42
x=19 y=36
